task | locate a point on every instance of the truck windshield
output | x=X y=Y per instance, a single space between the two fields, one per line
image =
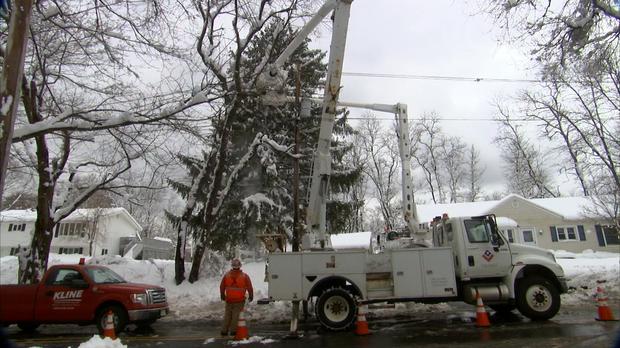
x=101 y=275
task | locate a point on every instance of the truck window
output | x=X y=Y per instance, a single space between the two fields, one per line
x=63 y=276
x=477 y=231
x=101 y=275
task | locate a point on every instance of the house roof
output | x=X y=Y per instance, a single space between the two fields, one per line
x=569 y=208
x=30 y=215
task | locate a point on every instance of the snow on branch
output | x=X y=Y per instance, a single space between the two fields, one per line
x=258 y=139
x=258 y=200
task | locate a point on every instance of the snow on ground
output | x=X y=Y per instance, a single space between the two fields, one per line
x=201 y=300
x=98 y=342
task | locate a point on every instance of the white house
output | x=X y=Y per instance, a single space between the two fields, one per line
x=86 y=231
x=564 y=223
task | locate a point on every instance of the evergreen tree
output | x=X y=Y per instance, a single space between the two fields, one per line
x=262 y=197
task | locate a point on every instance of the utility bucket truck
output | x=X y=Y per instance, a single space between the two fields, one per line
x=468 y=255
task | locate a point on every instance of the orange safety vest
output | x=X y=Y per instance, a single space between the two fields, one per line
x=235 y=284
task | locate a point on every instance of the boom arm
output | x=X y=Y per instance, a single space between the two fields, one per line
x=410 y=212
x=274 y=77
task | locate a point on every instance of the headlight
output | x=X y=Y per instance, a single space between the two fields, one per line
x=139 y=298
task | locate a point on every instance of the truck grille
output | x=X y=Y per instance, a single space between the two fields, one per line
x=157 y=295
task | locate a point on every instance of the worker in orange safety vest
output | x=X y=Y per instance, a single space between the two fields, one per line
x=233 y=287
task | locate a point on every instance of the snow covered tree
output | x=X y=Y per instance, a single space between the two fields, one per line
x=473 y=174
x=453 y=161
x=382 y=165
x=524 y=164
x=259 y=196
x=227 y=30
x=427 y=142
x=576 y=45
x=84 y=107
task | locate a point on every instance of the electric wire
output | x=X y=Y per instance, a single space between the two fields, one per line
x=440 y=77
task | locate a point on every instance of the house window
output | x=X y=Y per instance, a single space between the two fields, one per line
x=528 y=236
x=567 y=233
x=611 y=236
x=70 y=250
x=509 y=233
x=14 y=251
x=104 y=251
x=77 y=229
x=17 y=227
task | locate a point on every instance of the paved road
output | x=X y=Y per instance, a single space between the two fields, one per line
x=574 y=326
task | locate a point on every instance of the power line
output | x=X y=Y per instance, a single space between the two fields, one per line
x=439 y=77
x=444 y=119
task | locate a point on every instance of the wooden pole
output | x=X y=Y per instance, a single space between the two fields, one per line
x=12 y=73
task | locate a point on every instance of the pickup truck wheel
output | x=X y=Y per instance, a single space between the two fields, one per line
x=119 y=316
x=537 y=298
x=335 y=309
x=28 y=327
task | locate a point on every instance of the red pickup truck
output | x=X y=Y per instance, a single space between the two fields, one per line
x=81 y=294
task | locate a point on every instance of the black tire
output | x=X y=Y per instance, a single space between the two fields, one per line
x=537 y=298
x=335 y=309
x=119 y=316
x=503 y=308
x=28 y=327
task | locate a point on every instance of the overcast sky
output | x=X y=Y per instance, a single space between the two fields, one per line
x=436 y=38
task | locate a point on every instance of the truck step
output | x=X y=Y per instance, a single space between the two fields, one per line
x=380 y=293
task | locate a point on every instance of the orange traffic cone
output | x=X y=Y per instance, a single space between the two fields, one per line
x=109 y=330
x=361 y=325
x=482 y=318
x=604 y=312
x=242 y=330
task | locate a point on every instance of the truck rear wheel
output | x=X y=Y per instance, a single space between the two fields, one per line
x=119 y=316
x=335 y=309
x=537 y=298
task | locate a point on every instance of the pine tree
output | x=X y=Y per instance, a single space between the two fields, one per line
x=261 y=199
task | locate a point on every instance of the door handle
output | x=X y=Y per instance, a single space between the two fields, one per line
x=470 y=260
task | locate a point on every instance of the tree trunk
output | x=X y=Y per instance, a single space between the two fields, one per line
x=199 y=252
x=179 y=259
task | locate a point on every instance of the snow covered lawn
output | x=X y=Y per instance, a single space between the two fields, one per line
x=201 y=299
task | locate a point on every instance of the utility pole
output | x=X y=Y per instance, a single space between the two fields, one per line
x=296 y=227
x=12 y=72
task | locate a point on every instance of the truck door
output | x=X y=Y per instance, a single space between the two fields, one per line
x=63 y=297
x=485 y=258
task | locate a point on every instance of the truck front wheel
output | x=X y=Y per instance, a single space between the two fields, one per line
x=119 y=317
x=335 y=309
x=537 y=298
